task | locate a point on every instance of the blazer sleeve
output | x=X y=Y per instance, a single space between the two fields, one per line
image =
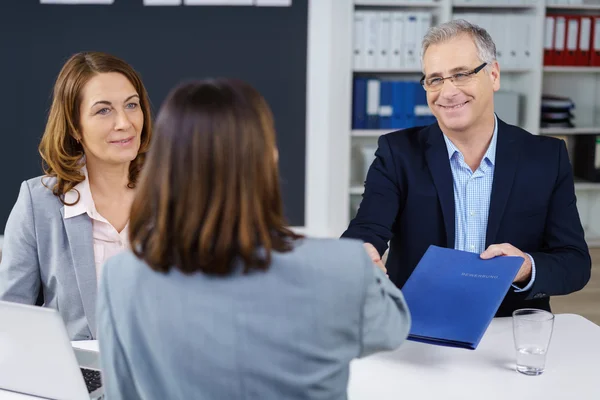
x=20 y=268
x=386 y=319
x=116 y=372
x=563 y=265
x=381 y=201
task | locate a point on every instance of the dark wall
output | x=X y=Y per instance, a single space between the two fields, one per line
x=265 y=46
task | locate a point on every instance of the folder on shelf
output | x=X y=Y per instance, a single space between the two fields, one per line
x=359 y=45
x=453 y=295
x=373 y=95
x=549 y=40
x=524 y=31
x=384 y=40
x=386 y=108
x=371 y=41
x=595 y=47
x=359 y=104
x=397 y=41
x=570 y=55
x=585 y=39
x=399 y=104
x=411 y=41
x=560 y=31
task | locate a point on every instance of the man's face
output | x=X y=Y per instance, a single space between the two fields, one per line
x=458 y=106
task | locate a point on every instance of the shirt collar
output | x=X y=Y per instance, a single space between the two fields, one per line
x=82 y=192
x=490 y=154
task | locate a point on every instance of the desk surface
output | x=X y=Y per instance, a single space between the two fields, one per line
x=424 y=371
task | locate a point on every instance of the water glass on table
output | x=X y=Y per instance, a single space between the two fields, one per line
x=532 y=329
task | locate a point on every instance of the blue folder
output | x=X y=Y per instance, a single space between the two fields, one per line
x=453 y=295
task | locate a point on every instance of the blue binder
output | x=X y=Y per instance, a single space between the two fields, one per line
x=359 y=104
x=453 y=295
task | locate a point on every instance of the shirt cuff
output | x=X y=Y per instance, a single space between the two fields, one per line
x=526 y=288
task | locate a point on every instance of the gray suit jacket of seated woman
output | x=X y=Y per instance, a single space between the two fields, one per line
x=42 y=250
x=287 y=333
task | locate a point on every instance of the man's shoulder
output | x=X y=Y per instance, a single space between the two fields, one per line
x=529 y=140
x=407 y=140
x=407 y=134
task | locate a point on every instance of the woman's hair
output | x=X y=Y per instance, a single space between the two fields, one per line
x=209 y=194
x=60 y=150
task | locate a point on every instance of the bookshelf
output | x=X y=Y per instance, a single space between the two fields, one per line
x=347 y=162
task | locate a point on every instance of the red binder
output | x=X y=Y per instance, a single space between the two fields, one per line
x=595 y=47
x=572 y=36
x=549 y=40
x=560 y=38
x=585 y=40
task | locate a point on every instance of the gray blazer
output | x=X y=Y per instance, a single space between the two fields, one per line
x=42 y=249
x=287 y=333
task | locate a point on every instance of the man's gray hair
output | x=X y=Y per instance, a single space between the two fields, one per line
x=486 y=49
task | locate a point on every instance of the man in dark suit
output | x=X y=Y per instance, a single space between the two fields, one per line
x=472 y=182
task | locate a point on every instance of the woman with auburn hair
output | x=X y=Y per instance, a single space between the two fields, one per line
x=217 y=299
x=66 y=223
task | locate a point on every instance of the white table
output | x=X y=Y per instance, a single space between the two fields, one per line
x=422 y=371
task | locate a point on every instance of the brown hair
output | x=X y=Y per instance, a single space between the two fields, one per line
x=61 y=152
x=209 y=194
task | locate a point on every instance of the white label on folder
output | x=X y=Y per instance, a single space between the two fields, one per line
x=77 y=1
x=274 y=3
x=385 y=111
x=218 y=2
x=560 y=33
x=422 y=110
x=572 y=39
x=584 y=34
x=597 y=35
x=373 y=93
x=549 y=33
x=162 y=2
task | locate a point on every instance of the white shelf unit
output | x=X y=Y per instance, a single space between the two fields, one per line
x=492 y=6
x=571 y=70
x=570 y=131
x=583 y=83
x=397 y=3
x=574 y=7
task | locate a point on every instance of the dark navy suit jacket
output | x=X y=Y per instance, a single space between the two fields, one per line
x=409 y=201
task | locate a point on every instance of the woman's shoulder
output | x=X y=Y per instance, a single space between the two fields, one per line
x=40 y=188
x=332 y=251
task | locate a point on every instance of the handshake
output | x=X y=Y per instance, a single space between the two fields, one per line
x=374 y=254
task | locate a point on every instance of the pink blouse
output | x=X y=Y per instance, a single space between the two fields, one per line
x=107 y=241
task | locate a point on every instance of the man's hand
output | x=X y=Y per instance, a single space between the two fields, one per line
x=506 y=249
x=374 y=254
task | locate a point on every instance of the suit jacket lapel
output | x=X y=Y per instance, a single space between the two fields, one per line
x=507 y=157
x=79 y=233
x=436 y=155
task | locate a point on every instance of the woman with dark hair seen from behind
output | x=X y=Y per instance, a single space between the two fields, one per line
x=217 y=299
x=66 y=223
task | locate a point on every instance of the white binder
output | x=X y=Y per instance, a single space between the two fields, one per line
x=397 y=40
x=373 y=97
x=423 y=26
x=371 y=39
x=384 y=44
x=359 y=41
x=411 y=30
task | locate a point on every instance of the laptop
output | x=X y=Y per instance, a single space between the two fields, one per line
x=37 y=358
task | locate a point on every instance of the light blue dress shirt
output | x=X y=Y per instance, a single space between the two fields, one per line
x=472 y=192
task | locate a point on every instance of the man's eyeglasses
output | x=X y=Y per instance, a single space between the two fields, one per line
x=435 y=83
